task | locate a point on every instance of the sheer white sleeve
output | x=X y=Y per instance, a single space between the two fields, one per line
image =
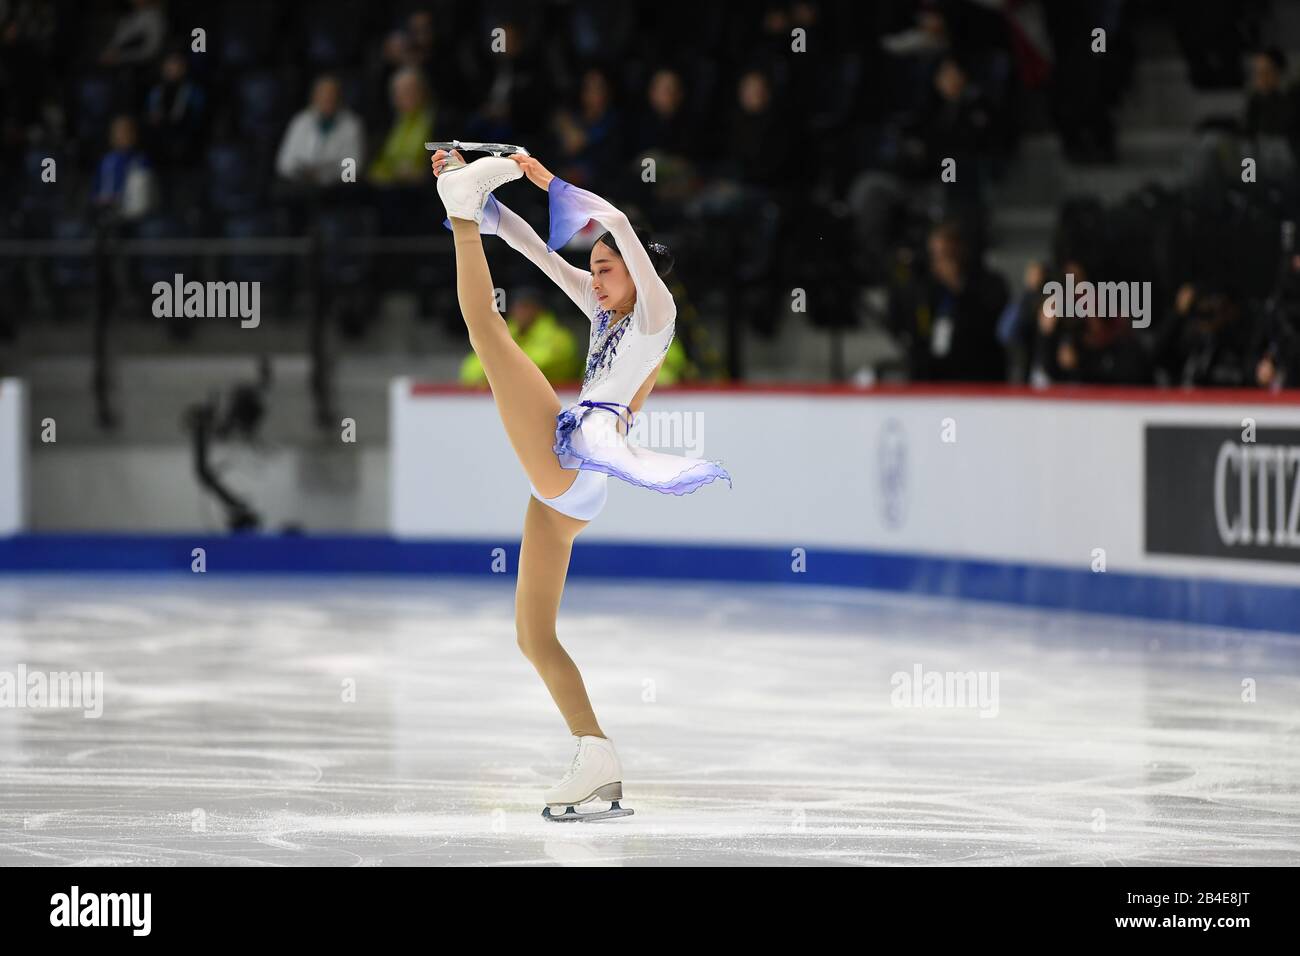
x=572 y=208
x=500 y=220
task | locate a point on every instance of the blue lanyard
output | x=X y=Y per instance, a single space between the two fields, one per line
x=613 y=407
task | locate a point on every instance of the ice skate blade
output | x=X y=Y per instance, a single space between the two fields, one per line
x=496 y=149
x=570 y=815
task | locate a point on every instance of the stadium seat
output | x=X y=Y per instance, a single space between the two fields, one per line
x=234 y=185
x=261 y=106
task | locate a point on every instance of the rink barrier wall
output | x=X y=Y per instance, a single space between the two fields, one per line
x=13 y=456
x=1139 y=482
x=850 y=481
x=1233 y=604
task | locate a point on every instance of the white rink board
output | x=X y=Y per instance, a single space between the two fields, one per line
x=1028 y=480
x=13 y=456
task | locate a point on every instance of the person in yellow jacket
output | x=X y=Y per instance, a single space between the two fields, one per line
x=400 y=160
x=544 y=339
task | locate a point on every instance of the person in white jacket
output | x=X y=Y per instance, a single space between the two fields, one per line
x=320 y=137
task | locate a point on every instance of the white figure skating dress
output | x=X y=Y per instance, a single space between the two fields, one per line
x=592 y=433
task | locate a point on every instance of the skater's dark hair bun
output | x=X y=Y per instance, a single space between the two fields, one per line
x=660 y=254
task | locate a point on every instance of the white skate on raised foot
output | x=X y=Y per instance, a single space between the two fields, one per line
x=595 y=774
x=465 y=189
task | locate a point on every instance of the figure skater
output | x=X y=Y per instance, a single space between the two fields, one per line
x=568 y=452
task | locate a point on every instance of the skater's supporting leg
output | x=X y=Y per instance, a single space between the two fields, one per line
x=524 y=398
x=543 y=566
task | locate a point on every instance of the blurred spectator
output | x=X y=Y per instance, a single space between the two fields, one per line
x=138 y=35
x=1275 y=354
x=1094 y=350
x=948 y=322
x=1271 y=117
x=175 y=113
x=665 y=127
x=957 y=126
x=1099 y=350
x=590 y=138
x=24 y=38
x=1018 y=326
x=401 y=170
x=320 y=137
x=1207 y=340
x=1211 y=36
x=1269 y=107
x=755 y=124
x=543 y=338
x=124 y=180
x=1271 y=128
x=517 y=101
x=666 y=134
x=927 y=36
x=741 y=202
x=1086 y=85
x=596 y=27
x=912 y=54
x=403 y=159
x=411 y=46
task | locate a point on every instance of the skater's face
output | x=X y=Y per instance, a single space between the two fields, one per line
x=611 y=280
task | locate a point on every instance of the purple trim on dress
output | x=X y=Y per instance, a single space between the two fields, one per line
x=699 y=473
x=613 y=407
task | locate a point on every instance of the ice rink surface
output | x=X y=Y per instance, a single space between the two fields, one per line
x=756 y=724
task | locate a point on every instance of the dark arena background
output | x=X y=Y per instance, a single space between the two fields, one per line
x=989 y=308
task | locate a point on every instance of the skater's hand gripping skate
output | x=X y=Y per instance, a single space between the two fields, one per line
x=537 y=174
x=440 y=161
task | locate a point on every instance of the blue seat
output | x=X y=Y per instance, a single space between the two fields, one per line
x=156 y=267
x=234 y=186
x=339 y=266
x=253 y=268
x=94 y=107
x=72 y=272
x=40 y=201
x=260 y=96
x=330 y=36
x=246 y=35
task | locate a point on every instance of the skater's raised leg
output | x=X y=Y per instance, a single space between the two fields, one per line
x=524 y=398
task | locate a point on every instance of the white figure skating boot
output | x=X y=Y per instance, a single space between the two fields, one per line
x=465 y=189
x=595 y=774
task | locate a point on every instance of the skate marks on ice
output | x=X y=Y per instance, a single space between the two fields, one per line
x=387 y=722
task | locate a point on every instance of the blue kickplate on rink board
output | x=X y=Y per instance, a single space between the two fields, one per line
x=1192 y=600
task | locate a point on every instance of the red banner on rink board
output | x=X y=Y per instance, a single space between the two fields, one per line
x=1080 y=393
